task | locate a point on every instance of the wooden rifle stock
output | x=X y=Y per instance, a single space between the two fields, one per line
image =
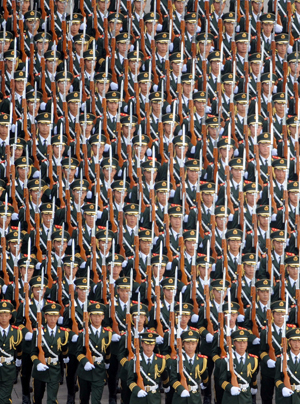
x=222 y=335
x=210 y=327
x=234 y=380
x=104 y=284
x=159 y=328
x=4 y=270
x=27 y=318
x=39 y=337
x=60 y=286
x=113 y=310
x=239 y=291
x=253 y=312
x=286 y=378
x=139 y=381
x=49 y=275
x=270 y=343
x=39 y=254
x=180 y=363
x=16 y=290
x=88 y=352
x=73 y=315
x=172 y=335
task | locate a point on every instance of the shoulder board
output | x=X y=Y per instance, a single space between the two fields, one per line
x=108 y=329
x=194 y=329
x=220 y=257
x=281 y=208
x=253 y=356
x=14 y=326
x=249 y=232
x=264 y=255
x=291 y=325
x=123 y=333
x=67 y=305
x=160 y=356
x=192 y=207
x=207 y=233
x=280 y=141
x=242 y=328
x=65 y=329
x=202 y=356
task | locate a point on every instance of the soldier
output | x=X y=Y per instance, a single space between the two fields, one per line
x=92 y=376
x=11 y=348
x=245 y=369
x=55 y=343
x=194 y=369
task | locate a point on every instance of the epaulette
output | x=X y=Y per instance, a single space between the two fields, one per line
x=202 y=356
x=192 y=207
x=253 y=356
x=207 y=233
x=160 y=356
x=249 y=232
x=194 y=329
x=65 y=329
x=242 y=328
x=291 y=325
x=280 y=79
x=108 y=329
x=123 y=333
x=241 y=142
x=253 y=98
x=50 y=301
x=14 y=326
x=220 y=257
x=281 y=208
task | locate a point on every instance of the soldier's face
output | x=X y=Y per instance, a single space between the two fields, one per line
x=255 y=129
x=69 y=174
x=141 y=322
x=267 y=29
x=90 y=65
x=278 y=318
x=20 y=85
x=279 y=175
x=37 y=292
x=168 y=294
x=293 y=68
x=250 y=197
x=268 y=88
x=116 y=270
x=67 y=269
x=190 y=347
x=293 y=272
x=293 y=197
x=123 y=294
x=58 y=151
x=51 y=65
x=30 y=107
x=192 y=175
x=294 y=131
x=161 y=272
x=234 y=246
x=73 y=108
x=295 y=343
x=100 y=87
x=44 y=129
x=297 y=5
x=240 y=346
x=187 y=88
x=36 y=196
x=185 y=318
x=218 y=6
x=40 y=46
x=25 y=6
x=96 y=320
x=200 y=107
x=102 y=246
x=190 y=27
x=106 y=174
x=56 y=245
x=75 y=28
x=76 y=194
x=138 y=5
x=179 y=6
x=263 y=295
x=148 y=348
x=218 y=295
x=175 y=222
x=145 y=246
x=168 y=129
x=208 y=199
x=4 y=319
x=205 y=48
x=64 y=86
x=131 y=220
x=30 y=272
x=162 y=48
x=181 y=151
x=223 y=153
x=215 y=67
x=140 y=150
x=61 y=6
x=118 y=27
x=257 y=7
x=46 y=218
x=249 y=270
x=7 y=221
x=280 y=108
x=264 y=222
x=232 y=319
x=162 y=197
x=264 y=149
x=121 y=46
x=229 y=27
x=79 y=47
x=255 y=67
x=135 y=66
x=81 y=294
x=89 y=219
x=281 y=48
x=221 y=222
x=202 y=271
x=236 y=174
x=32 y=26
x=14 y=248
x=102 y=5
x=101 y=150
x=242 y=47
x=149 y=26
x=21 y=174
x=112 y=107
x=241 y=108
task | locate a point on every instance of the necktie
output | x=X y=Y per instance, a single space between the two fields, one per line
x=241 y=360
x=280 y=330
x=114 y=120
x=191 y=362
x=52 y=335
x=296 y=360
x=265 y=309
x=194 y=188
x=4 y=333
x=45 y=142
x=162 y=60
x=281 y=187
x=148 y=361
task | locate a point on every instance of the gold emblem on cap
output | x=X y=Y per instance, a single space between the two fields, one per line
x=281 y=233
x=209 y=186
x=150 y=335
x=15 y=234
x=281 y=304
x=114 y=94
x=295 y=259
x=178 y=209
x=190 y=332
x=170 y=280
x=265 y=282
x=244 y=35
x=297 y=331
x=251 y=256
x=242 y=332
x=217 y=54
x=147 y=233
x=53 y=306
x=281 y=95
x=192 y=233
x=235 y=232
x=164 y=36
x=4 y=304
x=84 y=281
x=46 y=116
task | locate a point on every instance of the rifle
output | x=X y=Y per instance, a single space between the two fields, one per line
x=26 y=292
x=253 y=306
x=79 y=220
x=39 y=322
x=209 y=327
x=112 y=292
x=59 y=271
x=234 y=380
x=286 y=379
x=221 y=319
x=159 y=328
x=179 y=347
x=128 y=321
x=37 y=219
x=86 y=340
x=49 y=247
x=240 y=271
x=139 y=382
x=3 y=246
x=16 y=271
x=104 y=273
x=94 y=247
x=71 y=293
x=269 y=331
x=172 y=320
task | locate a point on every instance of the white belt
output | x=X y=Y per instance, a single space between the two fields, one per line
x=296 y=387
x=193 y=388
x=54 y=361
x=244 y=387
x=151 y=388
x=97 y=359
x=8 y=359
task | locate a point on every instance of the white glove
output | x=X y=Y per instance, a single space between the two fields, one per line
x=235 y=391
x=60 y=320
x=116 y=338
x=107 y=366
x=88 y=366
x=18 y=363
x=209 y=338
x=271 y=364
x=66 y=360
x=194 y=318
x=256 y=341
x=240 y=318
x=41 y=367
x=167 y=390
x=185 y=393
x=159 y=340
x=253 y=391
x=28 y=336
x=208 y=109
x=202 y=386
x=74 y=338
x=287 y=392
x=142 y=393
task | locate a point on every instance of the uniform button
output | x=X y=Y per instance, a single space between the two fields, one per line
x=96 y=346
x=51 y=346
x=241 y=373
x=190 y=373
x=148 y=374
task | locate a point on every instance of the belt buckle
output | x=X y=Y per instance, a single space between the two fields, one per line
x=54 y=363
x=153 y=391
x=147 y=389
x=2 y=359
x=8 y=363
x=49 y=361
